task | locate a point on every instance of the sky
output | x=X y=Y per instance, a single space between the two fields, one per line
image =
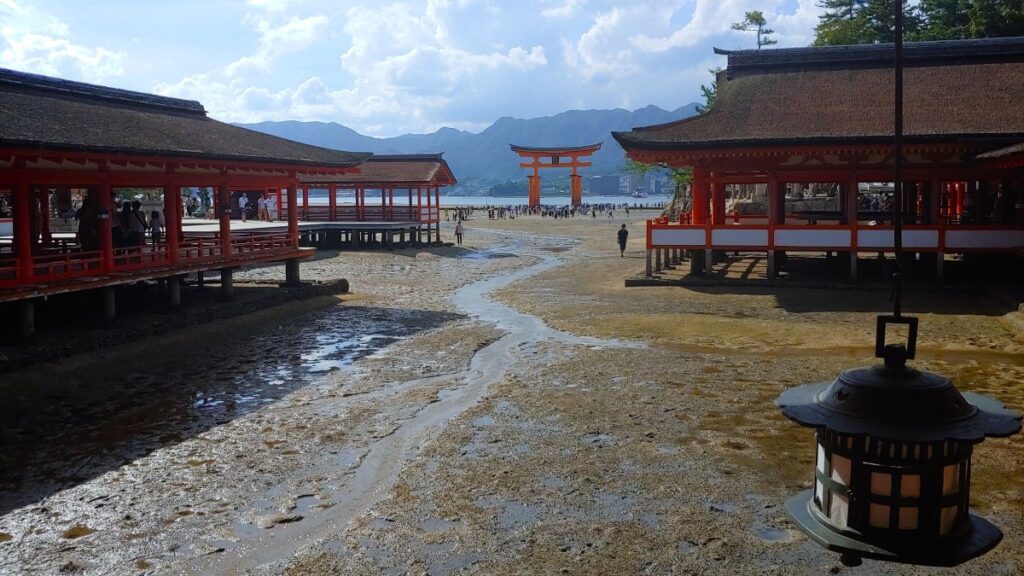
x=389 y=68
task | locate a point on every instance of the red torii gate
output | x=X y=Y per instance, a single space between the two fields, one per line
x=555 y=155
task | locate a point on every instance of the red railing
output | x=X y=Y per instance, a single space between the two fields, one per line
x=199 y=249
x=65 y=265
x=138 y=257
x=252 y=243
x=8 y=272
x=74 y=264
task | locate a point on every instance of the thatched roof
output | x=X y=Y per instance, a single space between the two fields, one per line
x=394 y=170
x=953 y=90
x=51 y=114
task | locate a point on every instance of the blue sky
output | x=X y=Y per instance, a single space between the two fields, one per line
x=388 y=68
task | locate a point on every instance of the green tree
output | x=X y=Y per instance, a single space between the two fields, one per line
x=754 y=21
x=868 y=21
x=709 y=92
x=840 y=23
x=945 y=20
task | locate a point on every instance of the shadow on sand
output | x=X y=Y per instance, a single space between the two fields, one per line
x=977 y=286
x=63 y=425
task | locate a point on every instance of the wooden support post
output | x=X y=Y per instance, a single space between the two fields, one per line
x=772 y=272
x=227 y=283
x=27 y=319
x=291 y=272
x=696 y=262
x=940 y=264
x=109 y=304
x=293 y=216
x=657 y=259
x=332 y=202
x=174 y=292
x=305 y=202
x=648 y=268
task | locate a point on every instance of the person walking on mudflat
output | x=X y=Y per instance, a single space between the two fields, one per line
x=623 y=235
x=458 y=232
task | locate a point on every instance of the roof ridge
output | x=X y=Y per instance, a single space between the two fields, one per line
x=436 y=157
x=61 y=87
x=932 y=52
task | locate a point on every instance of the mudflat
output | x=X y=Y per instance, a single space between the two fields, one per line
x=507 y=407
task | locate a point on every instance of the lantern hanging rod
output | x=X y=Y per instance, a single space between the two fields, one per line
x=897 y=205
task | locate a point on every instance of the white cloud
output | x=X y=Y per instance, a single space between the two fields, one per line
x=270 y=5
x=295 y=35
x=567 y=9
x=38 y=42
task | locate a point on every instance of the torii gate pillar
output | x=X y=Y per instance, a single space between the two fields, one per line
x=554 y=157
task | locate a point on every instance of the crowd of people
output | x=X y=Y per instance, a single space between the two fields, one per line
x=128 y=225
x=512 y=212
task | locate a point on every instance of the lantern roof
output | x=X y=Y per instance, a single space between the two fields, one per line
x=898 y=403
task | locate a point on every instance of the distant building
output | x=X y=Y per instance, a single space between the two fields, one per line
x=825 y=115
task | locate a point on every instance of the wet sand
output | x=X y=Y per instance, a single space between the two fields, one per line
x=507 y=407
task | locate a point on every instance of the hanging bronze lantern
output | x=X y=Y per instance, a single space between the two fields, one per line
x=892 y=475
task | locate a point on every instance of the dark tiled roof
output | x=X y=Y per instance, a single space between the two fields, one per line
x=426 y=169
x=952 y=90
x=516 y=148
x=45 y=113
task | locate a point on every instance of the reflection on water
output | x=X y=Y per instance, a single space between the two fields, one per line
x=58 y=434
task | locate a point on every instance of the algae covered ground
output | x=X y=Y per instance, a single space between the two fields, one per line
x=507 y=407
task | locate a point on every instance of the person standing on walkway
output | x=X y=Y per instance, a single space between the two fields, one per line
x=243 y=205
x=458 y=232
x=623 y=236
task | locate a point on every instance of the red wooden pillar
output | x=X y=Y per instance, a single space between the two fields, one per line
x=104 y=217
x=279 y=206
x=293 y=210
x=332 y=201
x=383 y=203
x=419 y=204
x=305 y=201
x=224 y=206
x=717 y=202
x=172 y=195
x=391 y=203
x=22 y=231
x=699 y=206
x=428 y=214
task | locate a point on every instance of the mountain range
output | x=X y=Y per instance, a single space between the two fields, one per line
x=483 y=159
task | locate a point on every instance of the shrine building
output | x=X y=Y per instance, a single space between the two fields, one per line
x=61 y=139
x=800 y=123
